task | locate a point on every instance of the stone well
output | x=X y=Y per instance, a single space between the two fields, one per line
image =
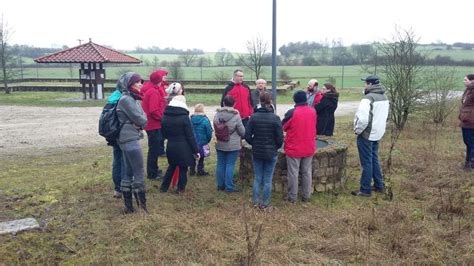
x=329 y=162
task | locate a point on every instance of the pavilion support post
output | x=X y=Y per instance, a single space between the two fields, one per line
x=89 y=66
x=82 y=83
x=94 y=79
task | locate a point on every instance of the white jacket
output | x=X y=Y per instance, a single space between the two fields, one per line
x=370 y=119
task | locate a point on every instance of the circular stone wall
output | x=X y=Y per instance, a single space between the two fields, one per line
x=329 y=162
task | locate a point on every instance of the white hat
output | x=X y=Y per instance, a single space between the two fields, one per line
x=174 y=88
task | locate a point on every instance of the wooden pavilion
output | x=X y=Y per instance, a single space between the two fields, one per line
x=92 y=58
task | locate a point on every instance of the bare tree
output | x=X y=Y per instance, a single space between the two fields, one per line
x=220 y=76
x=402 y=75
x=7 y=60
x=440 y=83
x=223 y=57
x=188 y=57
x=175 y=70
x=253 y=60
x=362 y=52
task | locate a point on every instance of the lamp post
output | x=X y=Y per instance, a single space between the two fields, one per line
x=274 y=85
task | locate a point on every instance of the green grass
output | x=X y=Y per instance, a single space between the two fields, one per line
x=455 y=54
x=74 y=99
x=303 y=74
x=69 y=191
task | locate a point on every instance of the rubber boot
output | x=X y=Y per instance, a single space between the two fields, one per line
x=142 y=200
x=128 y=201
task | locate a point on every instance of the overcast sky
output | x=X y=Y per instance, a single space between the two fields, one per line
x=213 y=24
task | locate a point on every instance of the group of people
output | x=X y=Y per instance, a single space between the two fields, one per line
x=249 y=115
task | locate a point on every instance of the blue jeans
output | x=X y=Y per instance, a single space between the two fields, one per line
x=225 y=169
x=468 y=137
x=263 y=170
x=134 y=167
x=369 y=160
x=117 y=167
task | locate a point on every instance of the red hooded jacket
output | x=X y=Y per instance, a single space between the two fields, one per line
x=300 y=127
x=242 y=96
x=154 y=102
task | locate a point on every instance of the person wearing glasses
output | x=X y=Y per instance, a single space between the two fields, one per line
x=241 y=94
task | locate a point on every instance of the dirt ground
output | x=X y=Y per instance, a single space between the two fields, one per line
x=25 y=129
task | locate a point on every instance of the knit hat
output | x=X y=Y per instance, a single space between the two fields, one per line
x=299 y=97
x=157 y=76
x=174 y=88
x=134 y=79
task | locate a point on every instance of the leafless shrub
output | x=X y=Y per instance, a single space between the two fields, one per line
x=440 y=83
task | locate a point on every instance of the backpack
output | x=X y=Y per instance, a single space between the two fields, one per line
x=109 y=124
x=222 y=131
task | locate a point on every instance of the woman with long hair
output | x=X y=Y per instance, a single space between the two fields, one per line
x=265 y=134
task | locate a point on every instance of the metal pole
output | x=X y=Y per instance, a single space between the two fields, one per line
x=274 y=85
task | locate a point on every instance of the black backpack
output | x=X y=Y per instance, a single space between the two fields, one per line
x=109 y=124
x=222 y=131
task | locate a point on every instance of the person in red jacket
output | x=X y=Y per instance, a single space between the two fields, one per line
x=241 y=93
x=313 y=95
x=300 y=144
x=154 y=104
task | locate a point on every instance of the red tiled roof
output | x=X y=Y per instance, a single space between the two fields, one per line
x=88 y=53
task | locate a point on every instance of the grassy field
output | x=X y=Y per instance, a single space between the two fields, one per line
x=303 y=74
x=455 y=54
x=74 y=99
x=69 y=191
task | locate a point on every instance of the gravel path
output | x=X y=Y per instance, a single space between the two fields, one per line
x=29 y=129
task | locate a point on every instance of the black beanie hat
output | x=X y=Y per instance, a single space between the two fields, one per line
x=299 y=97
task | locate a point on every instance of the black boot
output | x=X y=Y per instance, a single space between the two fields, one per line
x=202 y=173
x=192 y=171
x=128 y=201
x=142 y=200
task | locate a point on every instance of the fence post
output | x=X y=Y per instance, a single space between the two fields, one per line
x=342 y=82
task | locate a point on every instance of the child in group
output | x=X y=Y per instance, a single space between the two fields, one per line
x=203 y=134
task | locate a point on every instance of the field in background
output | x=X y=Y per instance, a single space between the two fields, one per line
x=74 y=99
x=303 y=74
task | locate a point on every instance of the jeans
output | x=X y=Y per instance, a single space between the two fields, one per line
x=134 y=169
x=154 y=142
x=369 y=160
x=468 y=137
x=263 y=170
x=182 y=181
x=118 y=169
x=225 y=169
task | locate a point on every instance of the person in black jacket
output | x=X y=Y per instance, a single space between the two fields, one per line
x=181 y=148
x=265 y=134
x=325 y=110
